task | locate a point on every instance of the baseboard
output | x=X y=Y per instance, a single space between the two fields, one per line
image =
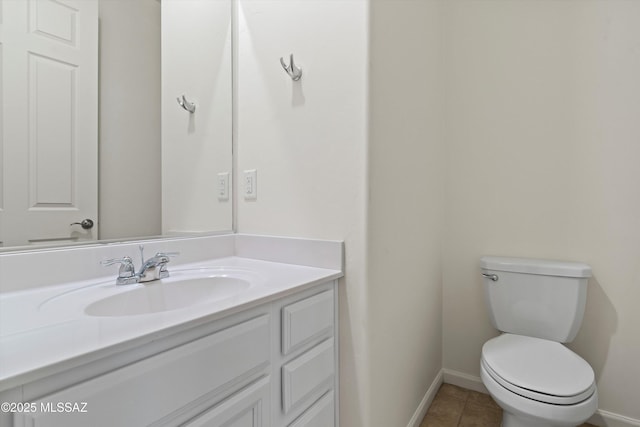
x=601 y=418
x=463 y=380
x=609 y=419
x=426 y=401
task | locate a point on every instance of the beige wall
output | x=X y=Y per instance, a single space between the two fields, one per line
x=405 y=209
x=543 y=145
x=129 y=118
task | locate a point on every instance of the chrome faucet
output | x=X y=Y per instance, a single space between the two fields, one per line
x=154 y=268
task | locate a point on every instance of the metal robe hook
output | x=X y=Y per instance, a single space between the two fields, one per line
x=189 y=106
x=294 y=72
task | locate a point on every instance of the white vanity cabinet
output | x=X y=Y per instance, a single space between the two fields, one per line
x=270 y=365
x=167 y=388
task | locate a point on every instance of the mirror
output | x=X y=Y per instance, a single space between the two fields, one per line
x=98 y=123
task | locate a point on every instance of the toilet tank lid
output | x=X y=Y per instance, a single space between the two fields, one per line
x=536 y=266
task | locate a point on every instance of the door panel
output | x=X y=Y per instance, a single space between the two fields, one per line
x=51 y=138
x=50 y=120
x=2 y=221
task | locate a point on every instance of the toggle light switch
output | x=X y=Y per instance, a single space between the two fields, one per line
x=250 y=184
x=223 y=186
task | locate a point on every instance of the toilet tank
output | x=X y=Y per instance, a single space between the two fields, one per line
x=533 y=297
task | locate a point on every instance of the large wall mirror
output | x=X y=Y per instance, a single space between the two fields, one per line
x=94 y=144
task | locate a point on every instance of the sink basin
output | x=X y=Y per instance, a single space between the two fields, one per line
x=184 y=288
x=168 y=294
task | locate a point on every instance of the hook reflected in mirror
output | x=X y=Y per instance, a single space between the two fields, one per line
x=189 y=106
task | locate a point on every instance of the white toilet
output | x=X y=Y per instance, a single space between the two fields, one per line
x=538 y=305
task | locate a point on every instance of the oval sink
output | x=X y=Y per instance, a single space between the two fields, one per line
x=161 y=296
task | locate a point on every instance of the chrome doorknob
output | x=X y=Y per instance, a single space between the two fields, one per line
x=87 y=224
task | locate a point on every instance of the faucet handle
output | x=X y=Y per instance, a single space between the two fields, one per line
x=124 y=261
x=127 y=271
x=168 y=254
x=163 y=272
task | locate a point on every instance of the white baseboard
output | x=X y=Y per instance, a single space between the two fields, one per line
x=609 y=419
x=463 y=380
x=426 y=401
x=600 y=418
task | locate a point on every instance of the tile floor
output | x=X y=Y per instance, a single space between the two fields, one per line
x=455 y=406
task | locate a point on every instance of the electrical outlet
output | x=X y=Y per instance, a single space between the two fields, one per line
x=223 y=186
x=250 y=184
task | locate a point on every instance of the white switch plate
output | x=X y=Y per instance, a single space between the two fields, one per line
x=250 y=184
x=223 y=186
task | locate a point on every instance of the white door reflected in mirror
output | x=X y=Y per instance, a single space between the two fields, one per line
x=49 y=139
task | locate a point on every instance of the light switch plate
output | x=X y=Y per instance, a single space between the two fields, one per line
x=223 y=186
x=250 y=184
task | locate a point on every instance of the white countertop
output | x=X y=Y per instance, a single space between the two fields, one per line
x=43 y=329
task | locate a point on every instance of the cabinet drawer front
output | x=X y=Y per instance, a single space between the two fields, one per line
x=321 y=414
x=306 y=320
x=308 y=376
x=151 y=389
x=248 y=408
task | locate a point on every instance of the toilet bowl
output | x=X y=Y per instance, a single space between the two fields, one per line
x=537 y=305
x=538 y=383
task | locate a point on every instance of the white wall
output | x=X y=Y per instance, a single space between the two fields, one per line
x=307 y=140
x=129 y=118
x=336 y=154
x=542 y=138
x=405 y=209
x=196 y=63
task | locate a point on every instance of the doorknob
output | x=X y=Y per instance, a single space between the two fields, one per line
x=87 y=224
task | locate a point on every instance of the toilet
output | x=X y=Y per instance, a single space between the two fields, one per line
x=537 y=305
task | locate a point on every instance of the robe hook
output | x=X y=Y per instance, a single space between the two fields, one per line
x=189 y=106
x=294 y=72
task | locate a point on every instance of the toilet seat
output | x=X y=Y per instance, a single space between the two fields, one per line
x=538 y=369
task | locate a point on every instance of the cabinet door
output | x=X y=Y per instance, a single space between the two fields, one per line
x=248 y=408
x=321 y=414
x=157 y=389
x=306 y=321
x=309 y=376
